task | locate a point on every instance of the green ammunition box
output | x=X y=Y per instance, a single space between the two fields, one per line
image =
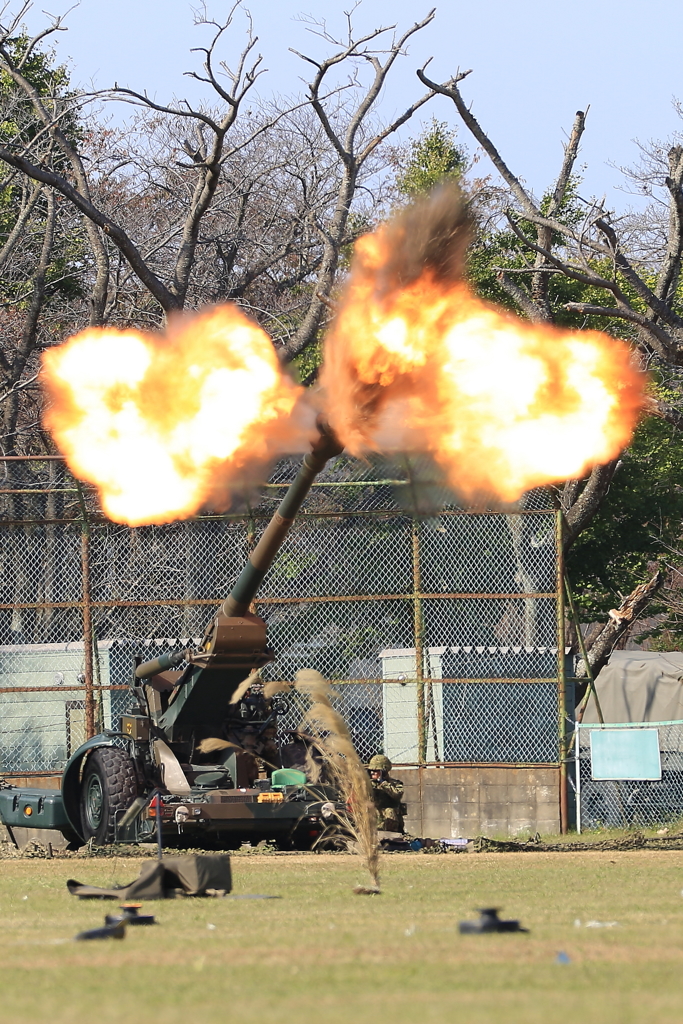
x=135 y=726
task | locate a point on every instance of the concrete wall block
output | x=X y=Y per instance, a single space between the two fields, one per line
x=523 y=827
x=439 y=812
x=438 y=777
x=525 y=813
x=547 y=826
x=440 y=795
x=476 y=800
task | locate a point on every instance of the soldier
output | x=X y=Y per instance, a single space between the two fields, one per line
x=387 y=794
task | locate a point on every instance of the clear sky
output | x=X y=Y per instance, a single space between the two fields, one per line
x=535 y=62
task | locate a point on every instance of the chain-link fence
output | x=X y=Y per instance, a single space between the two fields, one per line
x=623 y=802
x=440 y=628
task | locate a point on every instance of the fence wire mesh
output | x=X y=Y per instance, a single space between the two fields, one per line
x=625 y=803
x=440 y=628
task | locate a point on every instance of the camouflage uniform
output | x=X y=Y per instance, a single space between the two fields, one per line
x=388 y=795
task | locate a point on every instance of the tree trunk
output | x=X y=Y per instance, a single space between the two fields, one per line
x=620 y=622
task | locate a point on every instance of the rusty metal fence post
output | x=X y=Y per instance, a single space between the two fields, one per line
x=87 y=617
x=251 y=544
x=418 y=627
x=561 y=677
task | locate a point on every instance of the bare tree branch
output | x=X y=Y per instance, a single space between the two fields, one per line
x=207 y=166
x=522 y=298
x=539 y=280
x=661 y=340
x=19 y=225
x=584 y=507
x=619 y=623
x=450 y=89
x=28 y=341
x=40 y=106
x=344 y=143
x=669 y=276
x=119 y=237
x=665 y=411
x=659 y=301
x=658 y=307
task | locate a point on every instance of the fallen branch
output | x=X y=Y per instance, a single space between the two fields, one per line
x=620 y=621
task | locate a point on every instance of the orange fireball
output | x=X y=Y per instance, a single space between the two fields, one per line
x=163 y=424
x=416 y=362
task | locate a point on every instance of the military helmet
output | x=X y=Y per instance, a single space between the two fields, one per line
x=380 y=763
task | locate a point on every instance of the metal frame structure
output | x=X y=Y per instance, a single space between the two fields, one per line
x=394 y=561
x=630 y=803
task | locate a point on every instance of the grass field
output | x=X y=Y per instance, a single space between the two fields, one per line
x=323 y=954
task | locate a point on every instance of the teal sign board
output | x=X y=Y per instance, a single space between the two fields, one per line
x=625 y=754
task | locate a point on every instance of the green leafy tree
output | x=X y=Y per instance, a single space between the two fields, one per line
x=43 y=258
x=19 y=123
x=636 y=526
x=432 y=158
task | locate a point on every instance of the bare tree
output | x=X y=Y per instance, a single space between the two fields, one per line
x=50 y=111
x=44 y=246
x=659 y=330
x=206 y=150
x=41 y=266
x=259 y=244
x=346 y=127
x=197 y=181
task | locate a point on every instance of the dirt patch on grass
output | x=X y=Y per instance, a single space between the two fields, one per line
x=635 y=840
x=632 y=840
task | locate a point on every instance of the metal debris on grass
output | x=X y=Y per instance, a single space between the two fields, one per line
x=115 y=930
x=131 y=912
x=489 y=922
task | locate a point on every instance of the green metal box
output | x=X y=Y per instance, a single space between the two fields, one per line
x=33 y=808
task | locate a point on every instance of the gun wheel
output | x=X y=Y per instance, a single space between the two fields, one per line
x=108 y=789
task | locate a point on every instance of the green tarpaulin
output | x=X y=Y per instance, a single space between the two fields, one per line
x=194 y=876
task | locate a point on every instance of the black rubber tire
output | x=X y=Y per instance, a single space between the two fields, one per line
x=108 y=788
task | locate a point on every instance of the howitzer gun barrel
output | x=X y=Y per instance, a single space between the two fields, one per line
x=229 y=635
x=160 y=664
x=261 y=558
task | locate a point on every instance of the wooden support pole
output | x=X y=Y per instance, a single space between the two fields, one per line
x=561 y=679
x=418 y=626
x=87 y=618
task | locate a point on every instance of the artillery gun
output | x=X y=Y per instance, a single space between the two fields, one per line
x=151 y=774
